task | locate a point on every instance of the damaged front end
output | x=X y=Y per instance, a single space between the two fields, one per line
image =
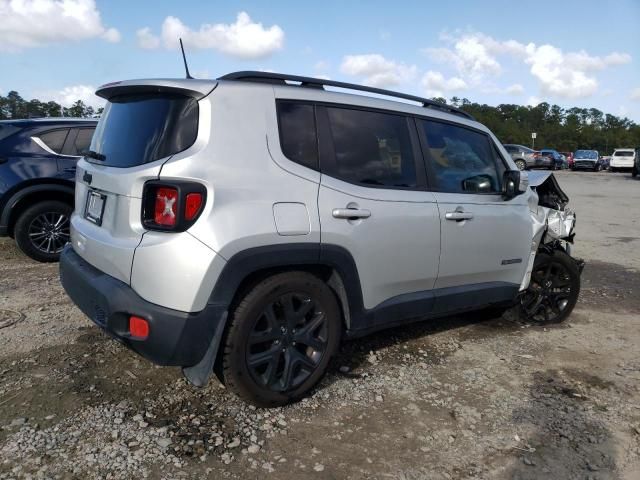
x=551 y=285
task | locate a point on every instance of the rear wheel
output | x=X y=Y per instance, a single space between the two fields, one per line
x=281 y=337
x=42 y=230
x=597 y=168
x=553 y=290
x=521 y=164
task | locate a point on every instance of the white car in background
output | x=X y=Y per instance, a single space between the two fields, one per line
x=622 y=158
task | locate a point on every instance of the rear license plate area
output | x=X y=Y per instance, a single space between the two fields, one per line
x=94 y=209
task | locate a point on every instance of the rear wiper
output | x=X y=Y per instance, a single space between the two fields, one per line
x=94 y=155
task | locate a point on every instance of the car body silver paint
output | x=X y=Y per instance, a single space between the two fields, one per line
x=238 y=158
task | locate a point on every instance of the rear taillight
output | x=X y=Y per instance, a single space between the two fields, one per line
x=192 y=205
x=166 y=206
x=172 y=206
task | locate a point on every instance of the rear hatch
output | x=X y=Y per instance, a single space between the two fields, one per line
x=144 y=123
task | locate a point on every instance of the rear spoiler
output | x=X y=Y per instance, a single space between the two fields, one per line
x=194 y=88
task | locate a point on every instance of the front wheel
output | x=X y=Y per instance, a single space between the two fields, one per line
x=553 y=290
x=42 y=230
x=521 y=164
x=281 y=337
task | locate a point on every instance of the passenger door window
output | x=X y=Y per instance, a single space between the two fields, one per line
x=371 y=148
x=461 y=160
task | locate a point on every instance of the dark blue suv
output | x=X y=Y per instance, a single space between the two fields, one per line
x=37 y=174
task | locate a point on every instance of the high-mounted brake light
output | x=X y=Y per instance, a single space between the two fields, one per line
x=166 y=206
x=192 y=205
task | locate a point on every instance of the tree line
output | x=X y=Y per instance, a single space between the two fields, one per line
x=565 y=129
x=13 y=106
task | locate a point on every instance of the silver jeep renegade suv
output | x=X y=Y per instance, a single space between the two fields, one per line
x=243 y=226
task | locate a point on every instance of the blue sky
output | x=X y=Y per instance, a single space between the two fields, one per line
x=573 y=53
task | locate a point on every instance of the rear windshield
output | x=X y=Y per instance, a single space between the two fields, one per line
x=141 y=128
x=7 y=130
x=587 y=154
x=623 y=153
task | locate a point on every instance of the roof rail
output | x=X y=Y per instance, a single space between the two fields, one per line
x=310 y=82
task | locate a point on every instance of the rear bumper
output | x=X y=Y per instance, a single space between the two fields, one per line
x=175 y=338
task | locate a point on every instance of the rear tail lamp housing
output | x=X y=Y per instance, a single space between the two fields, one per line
x=172 y=206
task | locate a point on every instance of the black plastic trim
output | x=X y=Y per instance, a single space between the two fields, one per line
x=394 y=311
x=175 y=337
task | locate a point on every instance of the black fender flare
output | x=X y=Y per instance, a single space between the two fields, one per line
x=291 y=255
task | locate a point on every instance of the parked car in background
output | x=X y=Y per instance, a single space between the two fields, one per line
x=569 y=157
x=557 y=162
x=636 y=164
x=587 y=160
x=622 y=159
x=604 y=162
x=525 y=157
x=37 y=174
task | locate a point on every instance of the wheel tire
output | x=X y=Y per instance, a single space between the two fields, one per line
x=634 y=171
x=539 y=298
x=597 y=168
x=266 y=305
x=33 y=220
x=521 y=164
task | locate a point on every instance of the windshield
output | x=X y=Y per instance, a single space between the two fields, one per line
x=623 y=153
x=587 y=154
x=141 y=128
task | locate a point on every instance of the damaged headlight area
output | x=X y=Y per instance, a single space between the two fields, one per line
x=552 y=283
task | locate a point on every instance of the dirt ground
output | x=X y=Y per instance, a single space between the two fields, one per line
x=464 y=397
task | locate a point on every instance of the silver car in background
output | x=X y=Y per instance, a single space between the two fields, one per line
x=526 y=158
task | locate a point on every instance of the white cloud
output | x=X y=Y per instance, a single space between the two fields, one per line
x=436 y=85
x=69 y=95
x=533 y=101
x=36 y=23
x=146 y=39
x=243 y=39
x=515 y=89
x=474 y=56
x=635 y=94
x=376 y=70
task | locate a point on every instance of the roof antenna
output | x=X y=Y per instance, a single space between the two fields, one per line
x=184 y=57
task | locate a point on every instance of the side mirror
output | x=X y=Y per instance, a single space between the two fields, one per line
x=478 y=184
x=514 y=183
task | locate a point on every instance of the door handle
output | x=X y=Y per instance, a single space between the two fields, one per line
x=350 y=213
x=458 y=216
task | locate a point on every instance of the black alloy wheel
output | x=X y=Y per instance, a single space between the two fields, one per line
x=43 y=230
x=553 y=289
x=281 y=337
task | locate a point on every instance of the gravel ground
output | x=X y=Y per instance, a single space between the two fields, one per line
x=464 y=397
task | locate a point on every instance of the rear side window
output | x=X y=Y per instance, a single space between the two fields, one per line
x=298 y=138
x=141 y=128
x=82 y=141
x=54 y=139
x=461 y=160
x=371 y=148
x=623 y=153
